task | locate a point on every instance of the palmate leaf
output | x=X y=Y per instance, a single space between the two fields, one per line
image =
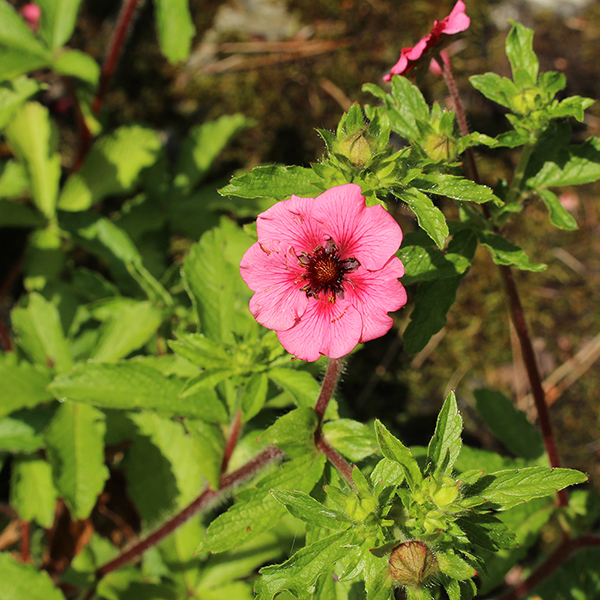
x=300 y=573
x=256 y=511
x=275 y=182
x=445 y=445
x=75 y=443
x=505 y=489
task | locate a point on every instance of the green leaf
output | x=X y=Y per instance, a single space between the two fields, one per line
x=495 y=88
x=455 y=187
x=209 y=443
x=77 y=64
x=203 y=144
x=40 y=333
x=13 y=94
x=519 y=49
x=31 y=136
x=294 y=433
x=275 y=182
x=299 y=573
x=128 y=385
x=445 y=445
x=430 y=218
x=32 y=491
x=175 y=28
x=301 y=385
x=574 y=165
x=434 y=300
x=22 y=431
x=127 y=325
x=352 y=439
x=405 y=105
x=23 y=385
x=18 y=580
x=508 y=424
x=454 y=566
x=506 y=253
x=559 y=216
x=256 y=511
x=75 y=442
x=393 y=449
x=254 y=395
x=210 y=280
x=58 y=21
x=513 y=486
x=426 y=263
x=306 y=508
x=14 y=214
x=570 y=107
x=487 y=531
x=201 y=351
x=112 y=167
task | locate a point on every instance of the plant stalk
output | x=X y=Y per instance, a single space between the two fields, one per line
x=332 y=374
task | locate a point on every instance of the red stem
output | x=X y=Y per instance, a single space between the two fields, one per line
x=551 y=564
x=329 y=382
x=234 y=432
x=5 y=338
x=516 y=308
x=115 y=48
x=335 y=459
x=25 y=541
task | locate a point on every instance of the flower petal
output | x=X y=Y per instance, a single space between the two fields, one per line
x=374 y=294
x=271 y=270
x=369 y=234
x=291 y=222
x=457 y=20
x=329 y=328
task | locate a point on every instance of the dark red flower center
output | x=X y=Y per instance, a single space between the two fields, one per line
x=325 y=271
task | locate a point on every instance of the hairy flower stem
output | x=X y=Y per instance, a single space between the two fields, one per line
x=514 y=301
x=334 y=368
x=117 y=41
x=234 y=432
x=560 y=555
x=207 y=498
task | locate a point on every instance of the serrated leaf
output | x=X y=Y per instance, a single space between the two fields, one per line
x=299 y=573
x=75 y=443
x=487 y=531
x=351 y=438
x=426 y=263
x=210 y=279
x=254 y=395
x=519 y=49
x=40 y=333
x=306 y=508
x=256 y=511
x=454 y=566
x=77 y=64
x=201 y=351
x=455 y=187
x=203 y=144
x=430 y=218
x=31 y=136
x=508 y=424
x=446 y=443
x=386 y=473
x=128 y=385
x=209 y=443
x=434 y=300
x=275 y=182
x=294 y=433
x=559 y=216
x=127 y=325
x=16 y=35
x=393 y=449
x=22 y=431
x=513 y=486
x=570 y=107
x=504 y=252
x=112 y=167
x=175 y=28
x=301 y=385
x=32 y=491
x=495 y=88
x=408 y=105
x=58 y=21
x=20 y=580
x=12 y=95
x=23 y=385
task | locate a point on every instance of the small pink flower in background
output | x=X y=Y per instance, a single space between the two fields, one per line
x=32 y=13
x=455 y=22
x=324 y=272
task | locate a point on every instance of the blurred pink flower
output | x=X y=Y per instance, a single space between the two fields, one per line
x=31 y=12
x=455 y=22
x=324 y=272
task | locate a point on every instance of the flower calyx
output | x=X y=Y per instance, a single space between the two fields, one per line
x=412 y=564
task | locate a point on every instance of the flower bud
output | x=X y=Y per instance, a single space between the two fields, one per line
x=356 y=147
x=439 y=146
x=412 y=563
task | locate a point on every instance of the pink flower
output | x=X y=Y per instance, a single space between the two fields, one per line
x=455 y=22
x=31 y=12
x=324 y=272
